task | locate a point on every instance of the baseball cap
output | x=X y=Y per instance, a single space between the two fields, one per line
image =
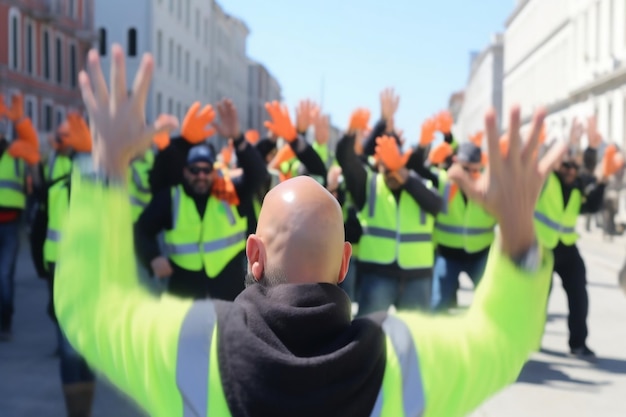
x=469 y=153
x=201 y=153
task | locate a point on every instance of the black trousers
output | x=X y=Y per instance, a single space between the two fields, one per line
x=570 y=267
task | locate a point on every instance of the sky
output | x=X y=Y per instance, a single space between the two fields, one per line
x=342 y=53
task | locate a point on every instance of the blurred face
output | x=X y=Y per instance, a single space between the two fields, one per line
x=200 y=176
x=271 y=156
x=568 y=171
x=474 y=170
x=391 y=179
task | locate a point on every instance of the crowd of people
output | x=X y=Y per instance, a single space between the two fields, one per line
x=198 y=219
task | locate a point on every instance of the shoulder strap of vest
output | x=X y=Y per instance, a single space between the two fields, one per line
x=372 y=191
x=176 y=197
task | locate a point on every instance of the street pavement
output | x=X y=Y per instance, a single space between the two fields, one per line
x=551 y=384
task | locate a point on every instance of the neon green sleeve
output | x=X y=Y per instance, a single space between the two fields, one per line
x=121 y=329
x=466 y=359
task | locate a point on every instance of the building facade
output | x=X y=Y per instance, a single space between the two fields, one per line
x=483 y=90
x=568 y=55
x=262 y=88
x=199 y=51
x=42 y=50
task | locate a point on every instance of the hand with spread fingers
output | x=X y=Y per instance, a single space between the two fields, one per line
x=117 y=118
x=306 y=113
x=162 y=139
x=358 y=120
x=444 y=122
x=322 y=129
x=252 y=136
x=389 y=102
x=79 y=136
x=427 y=135
x=227 y=153
x=16 y=112
x=389 y=153
x=24 y=150
x=196 y=127
x=594 y=137
x=228 y=125
x=510 y=189
x=280 y=124
x=612 y=161
x=440 y=153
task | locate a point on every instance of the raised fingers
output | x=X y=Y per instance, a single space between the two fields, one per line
x=118 y=75
x=493 y=141
x=97 y=78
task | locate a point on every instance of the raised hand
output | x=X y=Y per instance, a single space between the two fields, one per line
x=228 y=125
x=322 y=129
x=358 y=120
x=388 y=151
x=594 y=137
x=117 y=120
x=252 y=136
x=227 y=153
x=306 y=113
x=444 y=122
x=79 y=136
x=161 y=139
x=427 y=135
x=196 y=126
x=477 y=139
x=20 y=149
x=389 y=102
x=512 y=186
x=280 y=124
x=612 y=161
x=440 y=153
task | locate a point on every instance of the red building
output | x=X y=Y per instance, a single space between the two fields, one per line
x=43 y=45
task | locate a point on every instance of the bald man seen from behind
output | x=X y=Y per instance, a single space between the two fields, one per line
x=287 y=346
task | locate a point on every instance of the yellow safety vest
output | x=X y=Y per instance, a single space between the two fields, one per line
x=324 y=153
x=57 y=167
x=138 y=183
x=12 y=182
x=463 y=225
x=395 y=232
x=208 y=242
x=555 y=222
x=58 y=207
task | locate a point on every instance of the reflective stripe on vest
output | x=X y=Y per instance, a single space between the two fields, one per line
x=472 y=231
x=392 y=234
x=11 y=185
x=408 y=364
x=215 y=245
x=192 y=362
x=53 y=235
x=557 y=227
x=137 y=202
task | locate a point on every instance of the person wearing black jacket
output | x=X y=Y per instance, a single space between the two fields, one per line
x=158 y=216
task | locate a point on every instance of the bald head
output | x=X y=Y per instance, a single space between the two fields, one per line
x=299 y=237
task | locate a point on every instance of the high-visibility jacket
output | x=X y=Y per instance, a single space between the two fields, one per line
x=554 y=221
x=57 y=166
x=394 y=231
x=163 y=352
x=209 y=242
x=12 y=182
x=462 y=224
x=324 y=153
x=58 y=207
x=138 y=183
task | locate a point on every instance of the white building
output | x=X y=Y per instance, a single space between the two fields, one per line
x=568 y=55
x=198 y=50
x=483 y=90
x=262 y=88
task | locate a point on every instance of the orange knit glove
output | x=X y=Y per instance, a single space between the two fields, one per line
x=439 y=154
x=389 y=153
x=609 y=163
x=359 y=119
x=284 y=154
x=26 y=132
x=444 y=122
x=280 y=124
x=427 y=135
x=477 y=139
x=79 y=136
x=252 y=136
x=24 y=150
x=194 y=129
x=227 y=153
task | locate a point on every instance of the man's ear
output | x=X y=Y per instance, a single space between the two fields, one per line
x=345 y=262
x=255 y=252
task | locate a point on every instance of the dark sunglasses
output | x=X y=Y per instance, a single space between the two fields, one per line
x=569 y=165
x=197 y=170
x=472 y=170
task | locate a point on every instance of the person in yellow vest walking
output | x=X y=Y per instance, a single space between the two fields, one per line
x=287 y=346
x=463 y=234
x=15 y=159
x=565 y=196
x=205 y=229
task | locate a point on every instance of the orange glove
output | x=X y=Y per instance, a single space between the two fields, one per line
x=359 y=119
x=389 y=153
x=444 y=122
x=24 y=150
x=252 y=136
x=227 y=153
x=283 y=155
x=428 y=132
x=439 y=154
x=484 y=159
x=280 y=124
x=609 y=165
x=194 y=129
x=79 y=136
x=477 y=139
x=161 y=140
x=26 y=132
x=17 y=108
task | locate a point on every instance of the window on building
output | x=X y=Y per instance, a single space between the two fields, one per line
x=187 y=13
x=187 y=67
x=132 y=42
x=30 y=48
x=179 y=9
x=73 y=66
x=159 y=52
x=179 y=110
x=610 y=122
x=30 y=108
x=171 y=6
x=598 y=30
x=59 y=59
x=46 y=64
x=46 y=110
x=206 y=32
x=197 y=23
x=14 y=39
x=170 y=106
x=59 y=116
x=72 y=9
x=206 y=80
x=170 y=56
x=159 y=104
x=179 y=61
x=197 y=83
x=103 y=42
